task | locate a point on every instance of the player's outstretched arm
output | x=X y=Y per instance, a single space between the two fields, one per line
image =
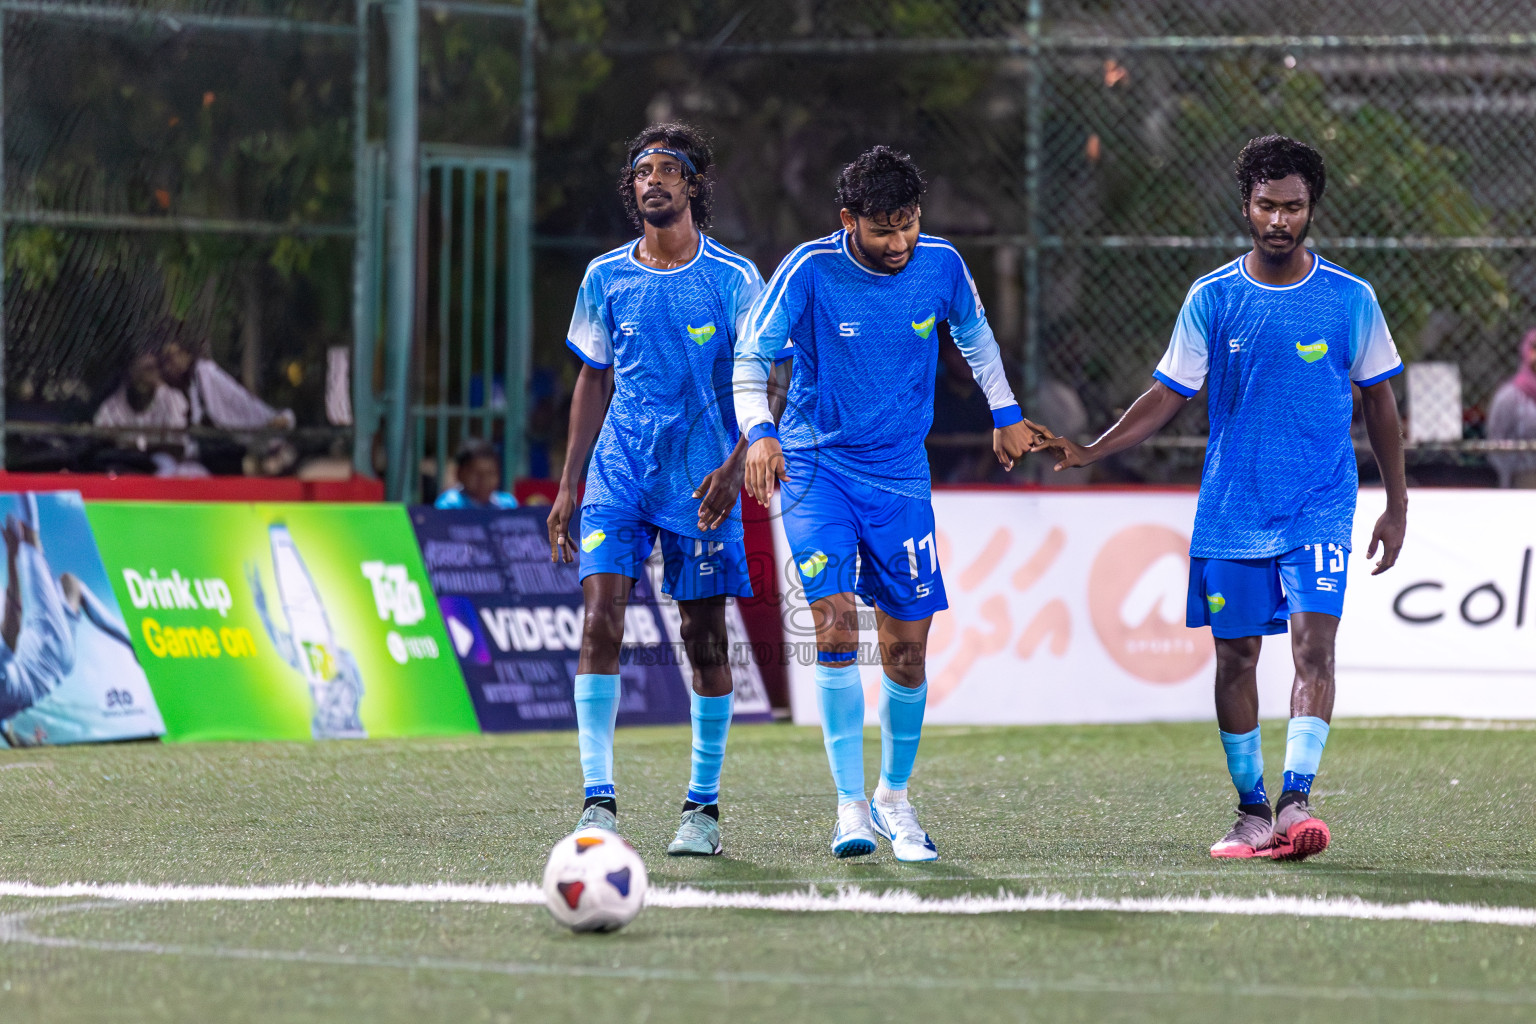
x=589 y=405
x=1146 y=416
x=1385 y=430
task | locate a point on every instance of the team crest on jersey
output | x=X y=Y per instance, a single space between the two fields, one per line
x=1313 y=352
x=590 y=542
x=701 y=334
x=811 y=567
x=925 y=327
x=1215 y=602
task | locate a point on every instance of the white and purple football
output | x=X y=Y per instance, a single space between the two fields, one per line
x=594 y=881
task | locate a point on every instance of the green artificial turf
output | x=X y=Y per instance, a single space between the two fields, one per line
x=1417 y=814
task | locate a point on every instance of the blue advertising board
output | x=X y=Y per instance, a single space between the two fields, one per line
x=69 y=674
x=514 y=620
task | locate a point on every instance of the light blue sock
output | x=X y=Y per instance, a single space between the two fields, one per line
x=901 y=727
x=711 y=721
x=1245 y=763
x=841 y=697
x=1305 y=738
x=597 y=710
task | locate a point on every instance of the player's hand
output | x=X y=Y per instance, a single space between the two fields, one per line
x=561 y=547
x=1011 y=442
x=1389 y=533
x=719 y=491
x=765 y=463
x=1045 y=440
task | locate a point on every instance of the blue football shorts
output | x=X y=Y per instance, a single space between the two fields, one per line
x=848 y=537
x=616 y=541
x=1257 y=596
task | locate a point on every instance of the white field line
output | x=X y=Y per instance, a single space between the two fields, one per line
x=13 y=930
x=1454 y=724
x=848 y=900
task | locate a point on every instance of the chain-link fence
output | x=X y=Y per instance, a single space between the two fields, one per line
x=194 y=170
x=178 y=176
x=1080 y=156
x=195 y=196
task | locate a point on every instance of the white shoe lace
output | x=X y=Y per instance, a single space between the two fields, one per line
x=853 y=817
x=903 y=820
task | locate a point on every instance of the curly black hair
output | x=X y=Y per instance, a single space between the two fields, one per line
x=880 y=181
x=1272 y=157
x=686 y=139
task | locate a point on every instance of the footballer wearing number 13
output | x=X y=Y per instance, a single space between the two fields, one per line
x=1279 y=336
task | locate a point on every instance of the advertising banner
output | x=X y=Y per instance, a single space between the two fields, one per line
x=1069 y=607
x=514 y=618
x=1063 y=607
x=1451 y=629
x=69 y=674
x=287 y=621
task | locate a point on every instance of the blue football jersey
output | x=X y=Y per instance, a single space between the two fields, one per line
x=865 y=346
x=1280 y=467
x=669 y=336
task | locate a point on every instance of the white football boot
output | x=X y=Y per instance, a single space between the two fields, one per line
x=854 y=835
x=897 y=821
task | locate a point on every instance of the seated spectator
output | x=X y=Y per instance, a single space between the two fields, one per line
x=1512 y=417
x=214 y=397
x=217 y=399
x=144 y=401
x=478 y=469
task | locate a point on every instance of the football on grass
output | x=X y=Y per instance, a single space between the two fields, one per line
x=594 y=881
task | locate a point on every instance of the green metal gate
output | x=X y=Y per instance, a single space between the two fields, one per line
x=474 y=318
x=473 y=331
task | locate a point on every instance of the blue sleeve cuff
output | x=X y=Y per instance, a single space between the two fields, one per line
x=1174 y=385
x=585 y=358
x=1007 y=416
x=760 y=431
x=784 y=356
x=1380 y=377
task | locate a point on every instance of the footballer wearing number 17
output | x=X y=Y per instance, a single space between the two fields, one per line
x=1278 y=335
x=862 y=306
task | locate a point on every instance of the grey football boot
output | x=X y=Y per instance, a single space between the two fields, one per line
x=1251 y=835
x=1298 y=835
x=697 y=836
x=598 y=816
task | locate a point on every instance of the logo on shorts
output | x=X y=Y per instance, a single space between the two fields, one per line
x=1313 y=352
x=701 y=334
x=1215 y=602
x=811 y=567
x=590 y=542
x=924 y=328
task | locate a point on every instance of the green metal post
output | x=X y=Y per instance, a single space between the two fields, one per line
x=488 y=321
x=2 y=241
x=466 y=343
x=520 y=266
x=364 y=299
x=444 y=292
x=1033 y=133
x=401 y=307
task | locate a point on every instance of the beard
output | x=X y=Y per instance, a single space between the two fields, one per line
x=1266 y=248
x=878 y=264
x=663 y=217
